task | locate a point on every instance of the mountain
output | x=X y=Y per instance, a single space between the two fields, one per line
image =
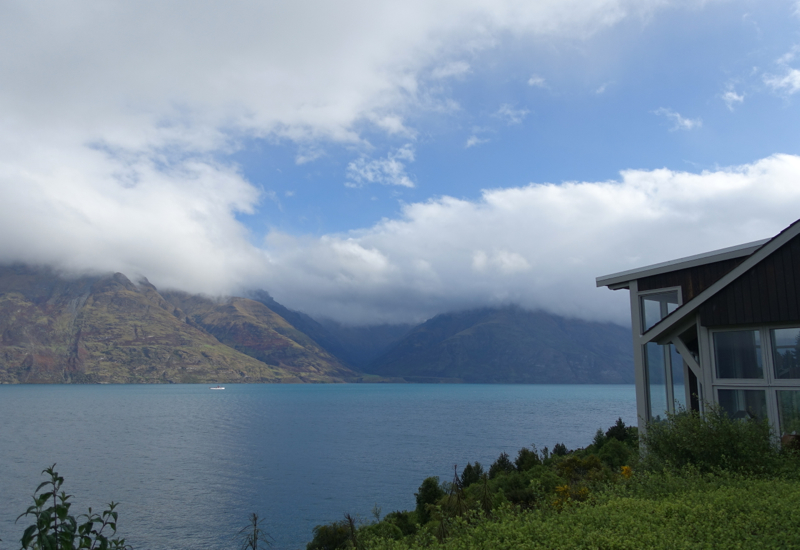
x=254 y=329
x=355 y=345
x=510 y=345
x=107 y=329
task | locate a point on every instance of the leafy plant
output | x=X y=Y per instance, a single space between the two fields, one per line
x=527 y=459
x=55 y=528
x=503 y=464
x=710 y=442
x=429 y=494
x=471 y=474
x=333 y=536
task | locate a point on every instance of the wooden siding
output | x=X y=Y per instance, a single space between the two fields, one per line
x=769 y=292
x=692 y=280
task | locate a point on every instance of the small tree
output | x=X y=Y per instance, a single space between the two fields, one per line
x=429 y=494
x=56 y=529
x=253 y=536
x=527 y=459
x=501 y=465
x=471 y=474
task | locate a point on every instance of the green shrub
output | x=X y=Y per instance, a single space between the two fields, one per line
x=333 y=536
x=731 y=512
x=430 y=492
x=54 y=527
x=501 y=465
x=710 y=443
x=615 y=454
x=527 y=459
x=471 y=474
x=625 y=434
x=559 y=449
x=405 y=521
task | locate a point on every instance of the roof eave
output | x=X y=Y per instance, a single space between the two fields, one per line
x=663 y=328
x=621 y=279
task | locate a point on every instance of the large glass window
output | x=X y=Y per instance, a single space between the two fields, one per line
x=678 y=383
x=744 y=403
x=657 y=306
x=789 y=411
x=738 y=354
x=664 y=379
x=656 y=380
x=786 y=352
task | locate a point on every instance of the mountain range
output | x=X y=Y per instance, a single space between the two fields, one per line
x=108 y=329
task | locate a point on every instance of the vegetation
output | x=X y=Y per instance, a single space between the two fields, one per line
x=709 y=482
x=54 y=528
x=704 y=482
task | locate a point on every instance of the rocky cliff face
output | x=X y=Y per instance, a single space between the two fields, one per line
x=107 y=329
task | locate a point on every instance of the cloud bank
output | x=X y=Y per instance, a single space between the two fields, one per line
x=541 y=246
x=116 y=116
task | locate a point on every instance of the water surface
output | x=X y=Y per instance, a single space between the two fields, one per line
x=188 y=465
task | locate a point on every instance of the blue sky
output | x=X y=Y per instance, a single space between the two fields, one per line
x=580 y=111
x=387 y=161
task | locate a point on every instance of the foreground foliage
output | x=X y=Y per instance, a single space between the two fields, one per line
x=712 y=442
x=705 y=482
x=54 y=528
x=718 y=513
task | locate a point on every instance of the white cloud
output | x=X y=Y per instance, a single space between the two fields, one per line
x=537 y=81
x=474 y=140
x=452 y=69
x=541 y=246
x=114 y=116
x=388 y=171
x=511 y=115
x=679 y=122
x=731 y=98
x=788 y=82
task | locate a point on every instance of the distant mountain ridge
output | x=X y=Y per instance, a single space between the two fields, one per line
x=108 y=329
x=510 y=345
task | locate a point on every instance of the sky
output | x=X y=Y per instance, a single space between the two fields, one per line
x=378 y=161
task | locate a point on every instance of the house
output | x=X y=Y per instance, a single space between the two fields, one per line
x=721 y=327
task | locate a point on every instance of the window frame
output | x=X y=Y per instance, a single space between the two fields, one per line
x=670 y=397
x=769 y=383
x=664 y=290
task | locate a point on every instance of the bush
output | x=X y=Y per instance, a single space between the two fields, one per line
x=429 y=494
x=559 y=449
x=56 y=528
x=730 y=513
x=333 y=536
x=501 y=465
x=527 y=459
x=710 y=443
x=625 y=434
x=615 y=454
x=405 y=521
x=471 y=474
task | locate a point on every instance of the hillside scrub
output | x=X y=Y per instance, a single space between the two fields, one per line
x=709 y=482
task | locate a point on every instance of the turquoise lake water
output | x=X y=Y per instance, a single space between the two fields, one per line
x=188 y=465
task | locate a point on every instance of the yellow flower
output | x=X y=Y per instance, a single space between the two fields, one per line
x=627 y=472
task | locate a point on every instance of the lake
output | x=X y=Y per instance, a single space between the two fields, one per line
x=188 y=465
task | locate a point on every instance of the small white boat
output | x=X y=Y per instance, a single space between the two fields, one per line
x=217 y=388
